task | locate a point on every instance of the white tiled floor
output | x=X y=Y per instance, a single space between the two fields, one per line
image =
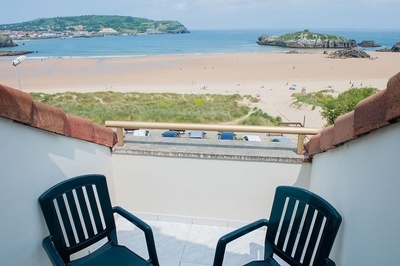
x=187 y=243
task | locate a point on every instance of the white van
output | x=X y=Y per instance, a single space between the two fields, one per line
x=141 y=133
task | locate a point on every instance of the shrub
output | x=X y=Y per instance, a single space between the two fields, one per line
x=344 y=103
x=333 y=107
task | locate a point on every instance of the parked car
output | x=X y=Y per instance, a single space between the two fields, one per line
x=251 y=138
x=227 y=135
x=141 y=132
x=281 y=139
x=171 y=134
x=197 y=135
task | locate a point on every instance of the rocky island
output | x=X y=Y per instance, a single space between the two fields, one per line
x=395 y=48
x=14 y=53
x=349 y=53
x=306 y=39
x=368 y=44
x=6 y=41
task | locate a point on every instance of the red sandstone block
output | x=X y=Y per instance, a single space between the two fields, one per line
x=393 y=98
x=115 y=138
x=313 y=146
x=79 y=127
x=48 y=117
x=344 y=128
x=20 y=107
x=370 y=114
x=327 y=137
x=15 y=104
x=103 y=135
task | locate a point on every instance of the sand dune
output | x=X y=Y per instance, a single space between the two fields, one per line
x=265 y=75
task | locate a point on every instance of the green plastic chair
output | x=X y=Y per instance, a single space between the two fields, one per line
x=301 y=230
x=78 y=213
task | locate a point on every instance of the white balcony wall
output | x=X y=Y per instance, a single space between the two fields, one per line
x=32 y=161
x=361 y=179
x=216 y=189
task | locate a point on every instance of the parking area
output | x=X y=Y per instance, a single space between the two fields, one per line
x=210 y=148
x=212 y=135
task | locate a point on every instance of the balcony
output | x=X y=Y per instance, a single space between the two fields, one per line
x=191 y=201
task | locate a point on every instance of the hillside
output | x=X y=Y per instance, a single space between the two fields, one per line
x=306 y=39
x=94 y=23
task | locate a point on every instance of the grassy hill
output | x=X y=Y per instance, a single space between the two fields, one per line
x=95 y=23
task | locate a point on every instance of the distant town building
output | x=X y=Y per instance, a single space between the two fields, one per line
x=108 y=31
x=78 y=28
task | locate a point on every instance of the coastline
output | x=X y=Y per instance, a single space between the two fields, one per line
x=267 y=76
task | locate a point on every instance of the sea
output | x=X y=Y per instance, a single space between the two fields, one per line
x=195 y=42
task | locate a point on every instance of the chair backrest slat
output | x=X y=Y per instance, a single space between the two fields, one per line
x=304 y=233
x=85 y=212
x=295 y=228
x=73 y=206
x=94 y=208
x=284 y=230
x=64 y=221
x=315 y=233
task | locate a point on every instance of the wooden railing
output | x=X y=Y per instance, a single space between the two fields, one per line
x=301 y=132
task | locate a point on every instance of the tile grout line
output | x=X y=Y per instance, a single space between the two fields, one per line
x=186 y=240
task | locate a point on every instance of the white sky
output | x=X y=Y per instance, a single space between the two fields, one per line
x=221 y=14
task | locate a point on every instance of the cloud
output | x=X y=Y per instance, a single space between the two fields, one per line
x=181 y=6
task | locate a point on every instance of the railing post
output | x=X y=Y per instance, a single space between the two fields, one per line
x=120 y=136
x=300 y=143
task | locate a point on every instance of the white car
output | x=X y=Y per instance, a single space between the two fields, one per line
x=251 y=138
x=141 y=133
x=197 y=135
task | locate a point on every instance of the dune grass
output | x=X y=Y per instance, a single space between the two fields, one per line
x=314 y=99
x=155 y=107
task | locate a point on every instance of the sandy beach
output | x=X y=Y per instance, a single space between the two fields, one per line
x=267 y=76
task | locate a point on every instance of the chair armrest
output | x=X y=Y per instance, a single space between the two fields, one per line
x=330 y=262
x=224 y=240
x=151 y=247
x=52 y=252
